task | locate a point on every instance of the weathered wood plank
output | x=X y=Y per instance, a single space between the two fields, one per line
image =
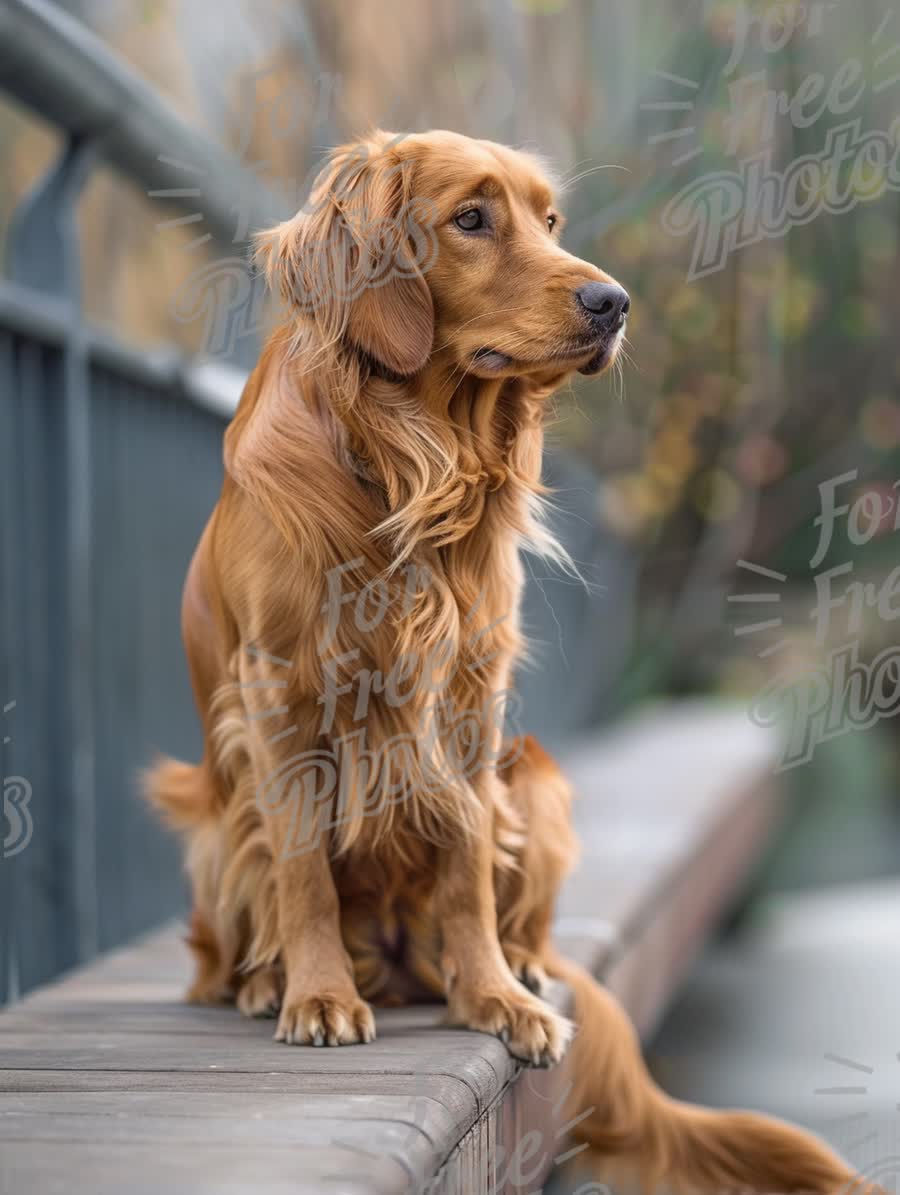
x=101 y=1169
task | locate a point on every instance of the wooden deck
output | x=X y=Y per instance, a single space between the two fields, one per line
x=109 y=1085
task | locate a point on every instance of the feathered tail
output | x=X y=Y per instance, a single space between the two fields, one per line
x=636 y=1129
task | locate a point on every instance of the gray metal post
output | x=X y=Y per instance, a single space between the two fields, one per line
x=45 y=256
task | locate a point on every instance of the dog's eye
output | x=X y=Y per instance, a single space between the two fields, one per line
x=552 y=221
x=470 y=220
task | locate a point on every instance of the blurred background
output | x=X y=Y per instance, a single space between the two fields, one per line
x=730 y=164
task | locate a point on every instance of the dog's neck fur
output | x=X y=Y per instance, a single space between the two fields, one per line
x=445 y=453
x=435 y=455
x=446 y=470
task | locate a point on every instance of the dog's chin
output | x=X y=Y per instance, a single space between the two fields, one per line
x=492 y=363
x=604 y=355
x=599 y=361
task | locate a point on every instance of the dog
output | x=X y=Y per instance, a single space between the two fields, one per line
x=359 y=830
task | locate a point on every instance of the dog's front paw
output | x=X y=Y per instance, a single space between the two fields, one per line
x=532 y=1032
x=325 y=1021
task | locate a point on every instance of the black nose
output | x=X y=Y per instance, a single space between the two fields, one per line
x=606 y=303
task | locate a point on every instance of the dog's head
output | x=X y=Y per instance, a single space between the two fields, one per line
x=435 y=245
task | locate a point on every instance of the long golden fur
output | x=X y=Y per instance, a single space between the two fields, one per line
x=393 y=428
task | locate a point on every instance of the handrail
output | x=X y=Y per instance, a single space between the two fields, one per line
x=213 y=385
x=50 y=62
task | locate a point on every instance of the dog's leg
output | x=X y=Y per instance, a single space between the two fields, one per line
x=320 y=1004
x=481 y=990
x=212 y=971
x=529 y=873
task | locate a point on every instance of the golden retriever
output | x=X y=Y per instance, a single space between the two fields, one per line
x=358 y=830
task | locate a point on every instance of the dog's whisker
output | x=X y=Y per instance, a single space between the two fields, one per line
x=570 y=182
x=455 y=333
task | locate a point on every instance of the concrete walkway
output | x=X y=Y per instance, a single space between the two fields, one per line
x=800 y=1016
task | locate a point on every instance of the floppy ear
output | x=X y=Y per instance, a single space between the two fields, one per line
x=353 y=259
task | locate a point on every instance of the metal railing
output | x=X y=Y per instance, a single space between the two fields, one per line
x=61 y=71
x=110 y=462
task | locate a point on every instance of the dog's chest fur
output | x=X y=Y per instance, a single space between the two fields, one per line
x=415 y=690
